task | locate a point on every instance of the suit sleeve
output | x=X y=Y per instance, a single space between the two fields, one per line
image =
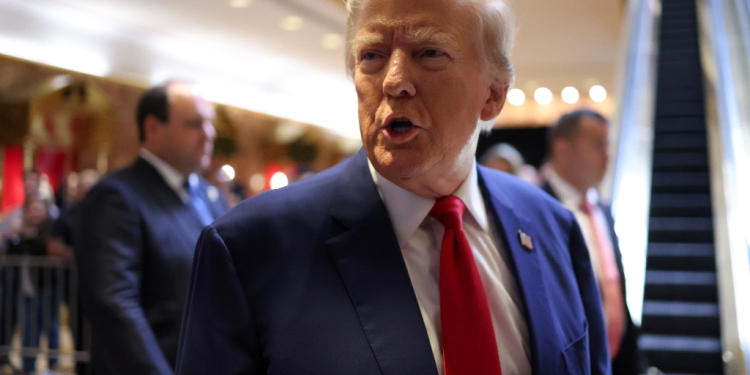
x=109 y=255
x=598 y=347
x=218 y=333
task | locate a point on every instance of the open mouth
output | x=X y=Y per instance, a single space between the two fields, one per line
x=401 y=125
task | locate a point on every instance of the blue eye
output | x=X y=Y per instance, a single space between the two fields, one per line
x=431 y=53
x=369 y=56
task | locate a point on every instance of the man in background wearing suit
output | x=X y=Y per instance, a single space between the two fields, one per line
x=578 y=155
x=406 y=258
x=136 y=235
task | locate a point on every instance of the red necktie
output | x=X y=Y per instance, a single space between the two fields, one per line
x=612 y=301
x=469 y=346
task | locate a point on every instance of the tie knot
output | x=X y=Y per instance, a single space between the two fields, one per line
x=586 y=206
x=448 y=211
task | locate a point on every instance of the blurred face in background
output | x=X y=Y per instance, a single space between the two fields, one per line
x=186 y=140
x=585 y=157
x=421 y=90
x=35 y=211
x=501 y=165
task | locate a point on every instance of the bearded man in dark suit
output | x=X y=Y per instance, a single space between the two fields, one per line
x=136 y=234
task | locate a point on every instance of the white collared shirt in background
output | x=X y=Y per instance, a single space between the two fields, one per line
x=171 y=176
x=571 y=199
x=420 y=237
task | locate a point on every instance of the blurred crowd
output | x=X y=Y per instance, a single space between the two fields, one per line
x=131 y=236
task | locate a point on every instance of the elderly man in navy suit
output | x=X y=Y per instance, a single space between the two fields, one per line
x=407 y=258
x=136 y=234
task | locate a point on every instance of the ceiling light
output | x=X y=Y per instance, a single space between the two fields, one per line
x=239 y=3
x=570 y=95
x=543 y=96
x=291 y=23
x=279 y=180
x=598 y=93
x=332 y=41
x=228 y=171
x=516 y=97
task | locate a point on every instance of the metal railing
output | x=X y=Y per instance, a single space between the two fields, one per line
x=725 y=48
x=38 y=304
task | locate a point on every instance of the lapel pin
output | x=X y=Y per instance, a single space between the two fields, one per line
x=525 y=240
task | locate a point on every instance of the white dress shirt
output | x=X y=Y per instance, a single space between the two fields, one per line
x=571 y=199
x=171 y=176
x=420 y=236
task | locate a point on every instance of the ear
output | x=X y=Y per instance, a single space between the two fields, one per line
x=495 y=101
x=151 y=126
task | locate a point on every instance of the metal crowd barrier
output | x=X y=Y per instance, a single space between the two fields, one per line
x=39 y=298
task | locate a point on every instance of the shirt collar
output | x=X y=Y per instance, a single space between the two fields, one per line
x=568 y=195
x=171 y=176
x=408 y=210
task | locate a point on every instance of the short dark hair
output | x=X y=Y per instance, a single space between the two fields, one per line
x=155 y=101
x=567 y=126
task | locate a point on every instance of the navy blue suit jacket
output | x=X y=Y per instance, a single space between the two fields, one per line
x=629 y=360
x=310 y=279
x=135 y=241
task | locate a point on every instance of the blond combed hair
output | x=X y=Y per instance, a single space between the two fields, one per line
x=495 y=33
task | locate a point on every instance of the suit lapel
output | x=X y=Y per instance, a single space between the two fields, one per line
x=366 y=252
x=162 y=194
x=528 y=273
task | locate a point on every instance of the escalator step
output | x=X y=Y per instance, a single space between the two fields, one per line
x=678 y=22
x=681 y=229
x=681 y=32
x=669 y=56
x=680 y=224
x=683 y=353
x=680 y=182
x=679 y=44
x=681 y=257
x=688 y=286
x=680 y=161
x=677 y=82
x=681 y=318
x=682 y=123
x=680 y=250
x=681 y=205
x=680 y=108
x=671 y=142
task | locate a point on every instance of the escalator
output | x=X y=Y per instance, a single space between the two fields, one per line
x=680 y=324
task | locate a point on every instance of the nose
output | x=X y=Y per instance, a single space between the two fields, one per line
x=398 y=80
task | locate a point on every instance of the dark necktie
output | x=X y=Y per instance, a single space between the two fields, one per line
x=469 y=346
x=199 y=203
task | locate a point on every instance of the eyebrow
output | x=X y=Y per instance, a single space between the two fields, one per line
x=414 y=35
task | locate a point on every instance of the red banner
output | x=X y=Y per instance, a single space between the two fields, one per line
x=12 y=178
x=51 y=163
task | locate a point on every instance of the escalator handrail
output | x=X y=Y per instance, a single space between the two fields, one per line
x=729 y=127
x=628 y=183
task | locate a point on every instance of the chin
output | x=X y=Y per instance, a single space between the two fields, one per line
x=399 y=163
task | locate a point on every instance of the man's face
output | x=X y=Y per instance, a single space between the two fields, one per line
x=189 y=134
x=589 y=152
x=421 y=90
x=501 y=165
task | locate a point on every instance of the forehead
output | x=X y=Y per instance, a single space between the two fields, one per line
x=183 y=100
x=590 y=127
x=420 y=19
